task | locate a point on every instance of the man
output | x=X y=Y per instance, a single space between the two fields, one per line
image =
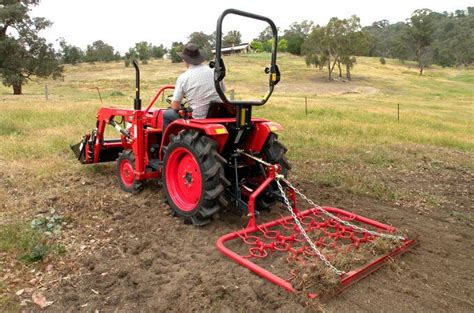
x=196 y=84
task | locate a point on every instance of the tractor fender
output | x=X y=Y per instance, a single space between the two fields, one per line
x=217 y=132
x=260 y=132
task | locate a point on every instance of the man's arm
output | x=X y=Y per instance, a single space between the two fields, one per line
x=178 y=94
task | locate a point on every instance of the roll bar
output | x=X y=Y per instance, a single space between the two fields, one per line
x=219 y=67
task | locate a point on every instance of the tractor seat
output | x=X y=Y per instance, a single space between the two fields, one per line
x=221 y=110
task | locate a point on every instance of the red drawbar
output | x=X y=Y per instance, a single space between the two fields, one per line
x=183 y=178
x=283 y=237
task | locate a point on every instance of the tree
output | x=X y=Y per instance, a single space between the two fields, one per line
x=265 y=35
x=453 y=39
x=296 y=35
x=427 y=37
x=421 y=31
x=23 y=54
x=233 y=38
x=388 y=40
x=175 y=48
x=336 y=43
x=257 y=46
x=143 y=50
x=70 y=54
x=323 y=46
x=282 y=45
x=355 y=42
x=158 y=52
x=99 y=51
x=129 y=56
x=264 y=41
x=203 y=41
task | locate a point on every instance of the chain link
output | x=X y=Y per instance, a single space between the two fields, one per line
x=303 y=231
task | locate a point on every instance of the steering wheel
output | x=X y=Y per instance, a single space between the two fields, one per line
x=183 y=104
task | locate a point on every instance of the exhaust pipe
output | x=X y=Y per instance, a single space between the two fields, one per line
x=137 y=104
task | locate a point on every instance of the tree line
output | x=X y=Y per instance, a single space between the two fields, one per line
x=100 y=51
x=426 y=37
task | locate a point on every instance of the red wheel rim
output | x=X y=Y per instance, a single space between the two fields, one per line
x=183 y=179
x=126 y=173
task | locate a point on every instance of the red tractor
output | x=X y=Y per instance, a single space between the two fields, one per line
x=230 y=156
x=203 y=163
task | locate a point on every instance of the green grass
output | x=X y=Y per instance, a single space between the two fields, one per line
x=348 y=123
x=27 y=244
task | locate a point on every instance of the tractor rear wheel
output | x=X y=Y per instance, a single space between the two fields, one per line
x=192 y=177
x=273 y=152
x=124 y=171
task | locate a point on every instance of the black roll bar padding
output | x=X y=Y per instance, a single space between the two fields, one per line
x=219 y=67
x=137 y=103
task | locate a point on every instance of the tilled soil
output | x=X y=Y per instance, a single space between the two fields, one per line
x=127 y=253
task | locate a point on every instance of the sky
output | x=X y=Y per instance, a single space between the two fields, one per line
x=122 y=23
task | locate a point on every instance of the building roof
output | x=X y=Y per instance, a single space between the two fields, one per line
x=242 y=46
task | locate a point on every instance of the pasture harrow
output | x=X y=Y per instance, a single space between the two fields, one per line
x=300 y=238
x=230 y=156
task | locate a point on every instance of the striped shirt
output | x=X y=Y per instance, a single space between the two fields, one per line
x=197 y=85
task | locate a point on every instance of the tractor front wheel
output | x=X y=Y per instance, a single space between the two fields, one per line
x=125 y=175
x=192 y=177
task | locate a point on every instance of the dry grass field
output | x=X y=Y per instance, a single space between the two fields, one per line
x=94 y=247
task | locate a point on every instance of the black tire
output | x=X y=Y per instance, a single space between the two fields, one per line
x=125 y=163
x=273 y=152
x=210 y=176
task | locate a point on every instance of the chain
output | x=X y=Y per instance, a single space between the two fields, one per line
x=303 y=231
x=346 y=223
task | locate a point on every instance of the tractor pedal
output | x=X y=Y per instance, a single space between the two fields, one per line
x=154 y=164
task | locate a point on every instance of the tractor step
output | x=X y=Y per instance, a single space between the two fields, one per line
x=280 y=243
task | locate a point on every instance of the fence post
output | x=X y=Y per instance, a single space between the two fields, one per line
x=46 y=91
x=398 y=112
x=306 y=105
x=98 y=91
x=232 y=94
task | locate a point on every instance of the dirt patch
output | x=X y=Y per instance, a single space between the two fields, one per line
x=127 y=253
x=322 y=87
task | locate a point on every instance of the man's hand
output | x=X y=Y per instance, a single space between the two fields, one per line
x=175 y=105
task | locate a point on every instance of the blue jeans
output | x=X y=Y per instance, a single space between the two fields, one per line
x=169 y=116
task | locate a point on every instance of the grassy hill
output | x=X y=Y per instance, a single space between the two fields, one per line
x=346 y=123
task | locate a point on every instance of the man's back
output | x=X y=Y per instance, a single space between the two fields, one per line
x=197 y=85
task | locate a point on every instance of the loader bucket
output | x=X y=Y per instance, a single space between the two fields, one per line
x=79 y=151
x=108 y=150
x=277 y=251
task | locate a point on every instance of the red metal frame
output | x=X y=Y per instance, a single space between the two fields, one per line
x=252 y=228
x=146 y=122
